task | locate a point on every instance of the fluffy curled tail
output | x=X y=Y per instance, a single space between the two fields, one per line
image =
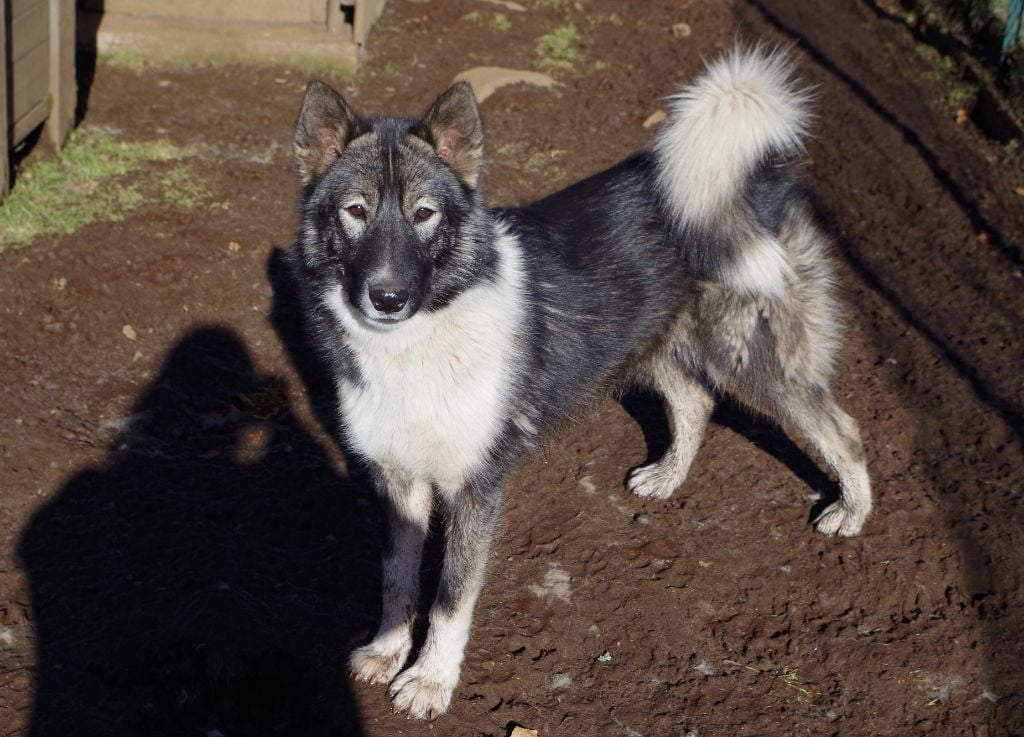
x=745 y=111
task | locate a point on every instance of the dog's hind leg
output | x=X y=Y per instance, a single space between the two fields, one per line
x=425 y=689
x=409 y=503
x=690 y=404
x=837 y=437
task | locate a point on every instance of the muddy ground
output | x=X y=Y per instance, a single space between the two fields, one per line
x=185 y=553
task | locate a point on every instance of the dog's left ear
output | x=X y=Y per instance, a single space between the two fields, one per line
x=457 y=133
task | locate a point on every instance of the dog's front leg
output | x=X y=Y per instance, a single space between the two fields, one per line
x=425 y=689
x=409 y=502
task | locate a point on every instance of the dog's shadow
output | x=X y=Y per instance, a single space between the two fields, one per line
x=648 y=410
x=210 y=576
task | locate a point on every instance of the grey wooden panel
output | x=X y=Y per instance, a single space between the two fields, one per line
x=29 y=29
x=262 y=11
x=31 y=87
x=5 y=140
x=20 y=7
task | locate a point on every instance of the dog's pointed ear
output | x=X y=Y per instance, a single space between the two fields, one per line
x=456 y=132
x=322 y=131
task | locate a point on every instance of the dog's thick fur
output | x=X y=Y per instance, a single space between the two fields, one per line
x=459 y=335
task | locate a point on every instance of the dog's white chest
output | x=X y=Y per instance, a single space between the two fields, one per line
x=435 y=391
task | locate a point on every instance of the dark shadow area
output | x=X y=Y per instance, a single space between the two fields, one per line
x=88 y=14
x=287 y=320
x=648 y=411
x=211 y=575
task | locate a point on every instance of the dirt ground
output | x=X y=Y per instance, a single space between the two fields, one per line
x=183 y=552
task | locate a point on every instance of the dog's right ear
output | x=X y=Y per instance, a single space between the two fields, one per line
x=323 y=129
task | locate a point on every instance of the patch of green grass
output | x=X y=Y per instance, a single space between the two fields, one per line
x=963 y=93
x=545 y=165
x=183 y=190
x=559 y=48
x=942 y=66
x=86 y=183
x=126 y=59
x=500 y=22
x=309 y=65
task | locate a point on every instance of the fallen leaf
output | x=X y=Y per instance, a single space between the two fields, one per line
x=961 y=116
x=983 y=238
x=704 y=563
x=681 y=30
x=234 y=246
x=129 y=332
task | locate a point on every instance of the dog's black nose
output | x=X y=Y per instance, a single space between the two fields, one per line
x=388 y=299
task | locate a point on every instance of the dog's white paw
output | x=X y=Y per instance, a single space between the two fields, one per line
x=840 y=519
x=423 y=695
x=378 y=662
x=652 y=482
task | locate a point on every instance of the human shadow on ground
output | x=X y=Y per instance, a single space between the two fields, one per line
x=211 y=575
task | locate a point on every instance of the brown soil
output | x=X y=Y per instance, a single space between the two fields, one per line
x=185 y=554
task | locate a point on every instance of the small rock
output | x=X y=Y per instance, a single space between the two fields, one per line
x=560 y=682
x=129 y=332
x=681 y=30
x=655 y=118
x=555 y=585
x=523 y=732
x=485 y=81
x=605 y=657
x=507 y=4
x=703 y=668
x=234 y=246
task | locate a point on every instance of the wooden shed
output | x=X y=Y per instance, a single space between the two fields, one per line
x=37 y=41
x=267 y=30
x=38 y=37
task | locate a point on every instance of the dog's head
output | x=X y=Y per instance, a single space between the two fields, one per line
x=387 y=202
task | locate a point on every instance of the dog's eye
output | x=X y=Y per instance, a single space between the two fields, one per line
x=356 y=211
x=422 y=214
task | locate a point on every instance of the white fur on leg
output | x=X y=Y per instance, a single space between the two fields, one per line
x=846 y=516
x=425 y=689
x=690 y=406
x=380 y=660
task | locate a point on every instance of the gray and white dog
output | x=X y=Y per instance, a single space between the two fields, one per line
x=458 y=335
